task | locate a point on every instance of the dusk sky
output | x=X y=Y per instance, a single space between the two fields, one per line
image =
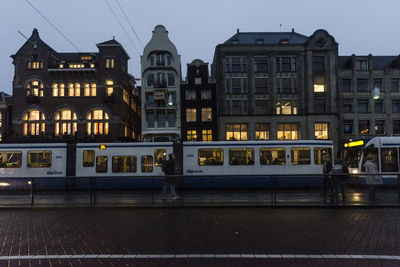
x=195 y=27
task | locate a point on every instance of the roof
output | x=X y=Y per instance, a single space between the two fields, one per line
x=4 y=96
x=74 y=56
x=266 y=38
x=112 y=42
x=378 y=62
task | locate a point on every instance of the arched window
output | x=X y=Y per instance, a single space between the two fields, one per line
x=66 y=122
x=35 y=88
x=97 y=122
x=110 y=87
x=34 y=122
x=58 y=89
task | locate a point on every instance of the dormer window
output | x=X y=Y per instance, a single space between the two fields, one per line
x=259 y=41
x=109 y=63
x=362 y=65
x=284 y=41
x=34 y=63
x=86 y=58
x=76 y=65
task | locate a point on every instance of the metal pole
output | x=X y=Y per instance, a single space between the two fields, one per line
x=32 y=191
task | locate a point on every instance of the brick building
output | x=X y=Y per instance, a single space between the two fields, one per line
x=73 y=96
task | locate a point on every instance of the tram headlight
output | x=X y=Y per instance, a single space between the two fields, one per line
x=355 y=171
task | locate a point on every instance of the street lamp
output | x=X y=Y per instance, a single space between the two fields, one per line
x=376 y=93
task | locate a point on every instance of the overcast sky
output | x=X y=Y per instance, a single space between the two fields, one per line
x=195 y=27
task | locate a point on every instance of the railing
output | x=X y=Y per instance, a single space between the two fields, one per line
x=264 y=190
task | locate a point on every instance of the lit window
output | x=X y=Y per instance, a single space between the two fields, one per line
x=211 y=156
x=206 y=135
x=39 y=159
x=160 y=156
x=206 y=114
x=122 y=164
x=191 y=135
x=109 y=63
x=125 y=96
x=76 y=66
x=86 y=57
x=34 y=122
x=88 y=158
x=236 y=132
x=241 y=156
x=286 y=107
x=58 y=89
x=288 y=131
x=74 y=89
x=190 y=115
x=321 y=130
x=89 y=89
x=34 y=88
x=301 y=156
x=35 y=65
x=319 y=153
x=110 y=87
x=66 y=123
x=97 y=122
x=1 y=119
x=147 y=163
x=319 y=85
x=262 y=131
x=272 y=156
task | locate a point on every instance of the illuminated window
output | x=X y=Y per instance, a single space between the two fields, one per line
x=34 y=122
x=101 y=163
x=321 y=130
x=39 y=159
x=110 y=87
x=58 y=89
x=160 y=156
x=236 y=132
x=272 y=156
x=86 y=57
x=97 y=122
x=191 y=135
x=241 y=156
x=34 y=88
x=286 y=107
x=210 y=156
x=66 y=123
x=10 y=159
x=206 y=114
x=190 y=115
x=76 y=65
x=147 y=163
x=109 y=63
x=61 y=66
x=206 y=135
x=35 y=65
x=301 y=156
x=89 y=89
x=125 y=96
x=74 y=89
x=88 y=158
x=262 y=131
x=1 y=119
x=319 y=152
x=288 y=131
x=124 y=164
x=319 y=85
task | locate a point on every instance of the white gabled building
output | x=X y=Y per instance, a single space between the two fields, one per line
x=160 y=95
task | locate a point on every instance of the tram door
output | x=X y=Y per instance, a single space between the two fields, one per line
x=178 y=151
x=71 y=166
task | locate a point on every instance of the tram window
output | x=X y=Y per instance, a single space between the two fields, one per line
x=369 y=152
x=301 y=156
x=147 y=163
x=389 y=160
x=39 y=159
x=241 y=156
x=123 y=164
x=272 y=156
x=88 y=158
x=319 y=152
x=210 y=156
x=160 y=155
x=11 y=159
x=101 y=163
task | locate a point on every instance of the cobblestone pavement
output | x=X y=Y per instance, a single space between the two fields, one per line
x=286 y=233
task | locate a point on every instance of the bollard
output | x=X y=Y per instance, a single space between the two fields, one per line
x=32 y=191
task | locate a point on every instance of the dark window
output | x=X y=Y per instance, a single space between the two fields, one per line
x=389 y=160
x=395 y=85
x=123 y=164
x=363 y=105
x=348 y=126
x=260 y=64
x=301 y=156
x=261 y=106
x=319 y=106
x=378 y=106
x=150 y=80
x=362 y=85
x=171 y=80
x=363 y=126
x=147 y=163
x=347 y=105
x=101 y=164
x=261 y=85
x=206 y=94
x=241 y=156
x=346 y=85
x=318 y=63
x=379 y=127
x=272 y=156
x=190 y=94
x=395 y=105
x=378 y=83
x=362 y=65
x=285 y=64
x=396 y=126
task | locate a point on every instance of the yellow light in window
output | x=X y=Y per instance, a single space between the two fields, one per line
x=102 y=147
x=319 y=88
x=61 y=66
x=92 y=65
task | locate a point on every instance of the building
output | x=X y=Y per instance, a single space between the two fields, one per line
x=5 y=115
x=161 y=77
x=73 y=96
x=277 y=86
x=369 y=96
x=198 y=104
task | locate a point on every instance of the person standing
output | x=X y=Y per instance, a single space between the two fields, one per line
x=373 y=178
x=341 y=172
x=169 y=169
x=326 y=169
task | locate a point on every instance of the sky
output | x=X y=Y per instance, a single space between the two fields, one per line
x=360 y=27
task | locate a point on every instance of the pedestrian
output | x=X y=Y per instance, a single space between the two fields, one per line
x=373 y=178
x=340 y=172
x=326 y=169
x=169 y=169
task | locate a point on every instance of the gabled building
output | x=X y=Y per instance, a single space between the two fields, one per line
x=277 y=86
x=161 y=77
x=198 y=104
x=85 y=96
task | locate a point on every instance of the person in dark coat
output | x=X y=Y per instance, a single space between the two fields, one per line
x=326 y=169
x=169 y=169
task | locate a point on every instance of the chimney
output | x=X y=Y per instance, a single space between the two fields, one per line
x=292 y=30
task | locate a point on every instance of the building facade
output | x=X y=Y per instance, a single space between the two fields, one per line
x=277 y=86
x=369 y=96
x=5 y=115
x=73 y=96
x=198 y=104
x=161 y=77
